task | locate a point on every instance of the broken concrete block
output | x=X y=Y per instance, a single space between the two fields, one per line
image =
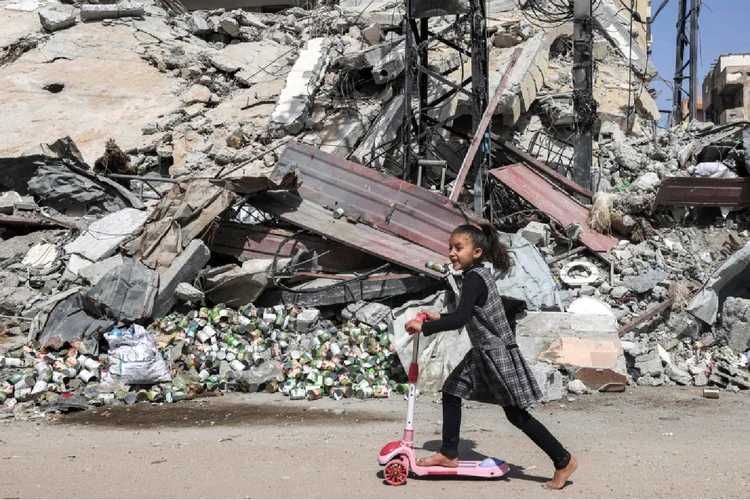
x=649 y=364
x=372 y=34
x=196 y=93
x=102 y=237
x=678 y=375
x=306 y=319
x=94 y=271
x=372 y=313
x=391 y=66
x=577 y=387
x=383 y=131
x=535 y=233
x=250 y=19
x=41 y=256
x=341 y=133
x=230 y=26
x=76 y=264
x=646 y=182
x=58 y=17
x=183 y=269
x=736 y=323
x=125 y=293
x=645 y=282
x=188 y=293
x=91 y=12
x=505 y=40
x=700 y=380
x=368 y=57
x=550 y=381
x=303 y=80
x=9 y=199
x=199 y=25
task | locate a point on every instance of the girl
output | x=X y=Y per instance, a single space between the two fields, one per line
x=494 y=370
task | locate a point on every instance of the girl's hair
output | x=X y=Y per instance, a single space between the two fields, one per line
x=483 y=236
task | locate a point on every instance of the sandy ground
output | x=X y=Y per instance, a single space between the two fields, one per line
x=641 y=443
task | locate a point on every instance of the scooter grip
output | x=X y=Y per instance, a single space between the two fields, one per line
x=421 y=317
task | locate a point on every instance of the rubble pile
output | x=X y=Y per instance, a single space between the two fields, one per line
x=256 y=159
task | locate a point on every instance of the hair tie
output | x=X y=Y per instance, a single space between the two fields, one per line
x=478 y=227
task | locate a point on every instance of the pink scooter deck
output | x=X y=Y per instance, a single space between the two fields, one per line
x=465 y=468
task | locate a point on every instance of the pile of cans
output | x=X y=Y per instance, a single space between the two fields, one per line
x=318 y=358
x=32 y=372
x=214 y=349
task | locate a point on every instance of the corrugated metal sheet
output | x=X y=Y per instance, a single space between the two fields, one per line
x=698 y=192
x=543 y=195
x=256 y=242
x=385 y=202
x=308 y=215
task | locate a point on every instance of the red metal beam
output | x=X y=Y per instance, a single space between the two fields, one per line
x=559 y=206
x=542 y=168
x=414 y=213
x=307 y=215
x=698 y=192
x=257 y=242
x=476 y=141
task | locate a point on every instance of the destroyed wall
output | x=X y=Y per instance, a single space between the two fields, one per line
x=726 y=90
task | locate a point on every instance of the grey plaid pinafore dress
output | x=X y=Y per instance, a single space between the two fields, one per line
x=493 y=371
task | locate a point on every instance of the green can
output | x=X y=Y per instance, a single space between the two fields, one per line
x=272 y=386
x=296 y=394
x=175 y=396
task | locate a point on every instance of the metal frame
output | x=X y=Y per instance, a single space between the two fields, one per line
x=683 y=41
x=417 y=125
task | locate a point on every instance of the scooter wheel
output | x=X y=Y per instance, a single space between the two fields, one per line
x=396 y=472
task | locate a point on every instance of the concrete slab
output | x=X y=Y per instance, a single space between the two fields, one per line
x=183 y=269
x=253 y=62
x=102 y=237
x=95 y=271
x=106 y=104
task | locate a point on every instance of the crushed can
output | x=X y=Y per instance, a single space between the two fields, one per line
x=297 y=394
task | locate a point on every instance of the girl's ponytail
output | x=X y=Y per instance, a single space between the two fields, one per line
x=497 y=253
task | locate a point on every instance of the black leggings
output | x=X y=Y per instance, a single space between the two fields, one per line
x=516 y=416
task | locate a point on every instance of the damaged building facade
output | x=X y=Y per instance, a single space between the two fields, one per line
x=229 y=199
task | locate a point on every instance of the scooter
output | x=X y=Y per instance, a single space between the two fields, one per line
x=399 y=457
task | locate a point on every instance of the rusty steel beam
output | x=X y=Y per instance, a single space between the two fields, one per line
x=651 y=313
x=699 y=192
x=542 y=168
x=476 y=141
x=257 y=242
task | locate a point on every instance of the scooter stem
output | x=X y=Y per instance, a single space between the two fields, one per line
x=413 y=378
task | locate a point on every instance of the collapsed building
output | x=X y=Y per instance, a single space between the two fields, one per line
x=190 y=173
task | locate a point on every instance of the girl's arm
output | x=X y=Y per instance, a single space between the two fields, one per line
x=472 y=290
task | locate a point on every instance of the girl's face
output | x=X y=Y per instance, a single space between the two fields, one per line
x=462 y=252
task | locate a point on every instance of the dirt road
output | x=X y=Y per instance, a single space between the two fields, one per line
x=642 y=443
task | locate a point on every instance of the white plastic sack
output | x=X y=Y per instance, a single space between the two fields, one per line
x=134 y=359
x=712 y=170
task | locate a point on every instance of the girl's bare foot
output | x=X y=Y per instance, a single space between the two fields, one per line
x=562 y=475
x=438 y=459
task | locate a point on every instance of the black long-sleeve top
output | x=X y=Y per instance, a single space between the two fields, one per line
x=473 y=292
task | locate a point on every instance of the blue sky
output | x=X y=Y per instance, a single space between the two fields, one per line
x=724 y=27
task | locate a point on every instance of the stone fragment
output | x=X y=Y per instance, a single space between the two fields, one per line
x=372 y=313
x=577 y=387
x=41 y=256
x=199 y=25
x=645 y=282
x=188 y=293
x=700 y=380
x=184 y=268
x=372 y=34
x=196 y=93
x=649 y=364
x=250 y=19
x=230 y=26
x=646 y=182
x=102 y=237
x=95 y=271
x=736 y=323
x=57 y=18
x=678 y=375
x=303 y=80
x=535 y=233
x=306 y=319
x=102 y=11
x=391 y=66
